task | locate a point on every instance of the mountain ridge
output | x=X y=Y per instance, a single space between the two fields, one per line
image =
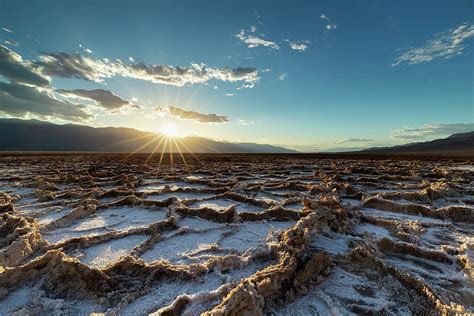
x=35 y=135
x=454 y=142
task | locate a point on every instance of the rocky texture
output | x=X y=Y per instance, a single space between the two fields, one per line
x=234 y=235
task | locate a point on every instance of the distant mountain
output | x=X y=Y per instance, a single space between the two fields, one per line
x=343 y=149
x=34 y=135
x=462 y=142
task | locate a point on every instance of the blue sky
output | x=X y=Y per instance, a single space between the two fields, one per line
x=317 y=75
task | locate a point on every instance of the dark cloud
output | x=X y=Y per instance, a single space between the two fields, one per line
x=14 y=68
x=75 y=65
x=432 y=130
x=19 y=100
x=104 y=98
x=195 y=116
x=68 y=65
x=353 y=140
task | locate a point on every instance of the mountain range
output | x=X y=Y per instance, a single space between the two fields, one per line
x=34 y=135
x=460 y=143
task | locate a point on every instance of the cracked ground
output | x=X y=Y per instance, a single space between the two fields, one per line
x=235 y=235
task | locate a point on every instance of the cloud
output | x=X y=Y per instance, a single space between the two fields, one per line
x=230 y=94
x=14 y=68
x=85 y=49
x=255 y=41
x=67 y=65
x=282 y=76
x=192 y=115
x=299 y=46
x=88 y=68
x=244 y=122
x=353 y=140
x=103 y=98
x=19 y=100
x=329 y=26
x=7 y=30
x=10 y=42
x=432 y=130
x=444 y=45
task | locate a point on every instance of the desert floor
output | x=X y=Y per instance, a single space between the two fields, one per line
x=235 y=234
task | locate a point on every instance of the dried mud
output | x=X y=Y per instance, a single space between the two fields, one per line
x=235 y=235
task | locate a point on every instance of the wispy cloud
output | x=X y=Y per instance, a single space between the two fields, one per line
x=11 y=42
x=192 y=115
x=432 y=130
x=255 y=41
x=353 y=140
x=331 y=26
x=103 y=98
x=282 y=76
x=444 y=45
x=68 y=65
x=7 y=30
x=244 y=122
x=230 y=94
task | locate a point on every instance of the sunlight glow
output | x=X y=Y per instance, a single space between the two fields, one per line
x=170 y=130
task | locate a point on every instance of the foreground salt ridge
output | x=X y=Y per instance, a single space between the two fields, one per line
x=118 y=237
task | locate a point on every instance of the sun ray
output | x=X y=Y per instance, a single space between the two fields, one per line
x=171 y=156
x=162 y=153
x=143 y=146
x=188 y=150
x=180 y=153
x=154 y=149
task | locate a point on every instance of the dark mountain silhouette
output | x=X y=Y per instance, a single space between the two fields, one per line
x=34 y=135
x=462 y=142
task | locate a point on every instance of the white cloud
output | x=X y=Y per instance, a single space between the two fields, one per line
x=253 y=29
x=432 y=130
x=254 y=41
x=444 y=45
x=244 y=122
x=324 y=17
x=299 y=46
x=7 y=30
x=85 y=49
x=230 y=94
x=92 y=69
x=282 y=76
x=10 y=42
x=331 y=27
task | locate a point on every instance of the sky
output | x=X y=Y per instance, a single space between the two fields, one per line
x=307 y=75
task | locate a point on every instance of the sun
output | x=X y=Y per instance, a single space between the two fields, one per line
x=170 y=130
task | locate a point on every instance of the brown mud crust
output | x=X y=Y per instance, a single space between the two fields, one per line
x=220 y=234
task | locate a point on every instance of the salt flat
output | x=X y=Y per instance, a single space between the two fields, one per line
x=298 y=235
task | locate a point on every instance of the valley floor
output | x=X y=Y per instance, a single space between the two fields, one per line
x=235 y=234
